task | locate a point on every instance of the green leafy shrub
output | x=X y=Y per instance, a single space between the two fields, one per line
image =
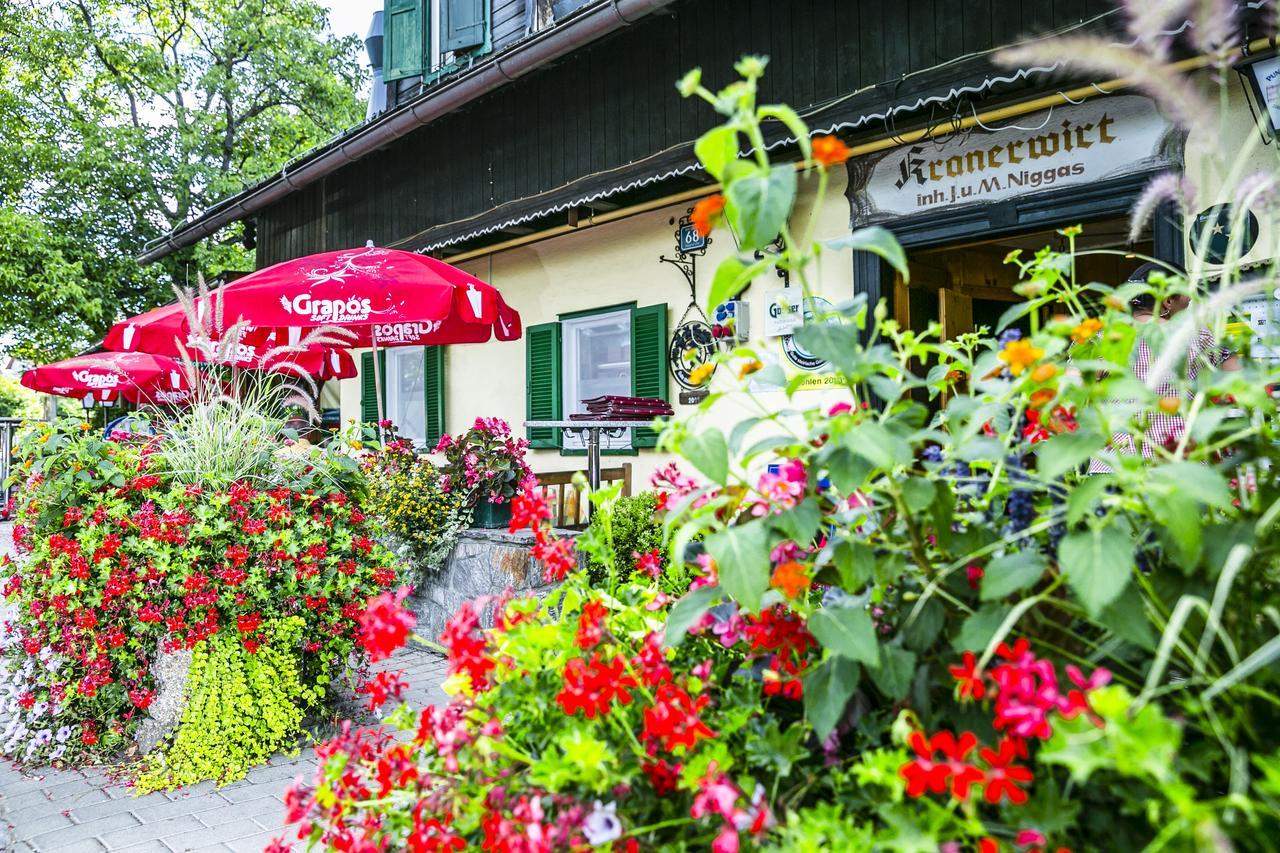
x=636 y=529
x=241 y=709
x=410 y=503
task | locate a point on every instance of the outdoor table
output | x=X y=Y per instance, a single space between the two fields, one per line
x=592 y=429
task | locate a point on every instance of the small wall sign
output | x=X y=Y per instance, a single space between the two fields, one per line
x=782 y=311
x=797 y=354
x=1212 y=229
x=692 y=344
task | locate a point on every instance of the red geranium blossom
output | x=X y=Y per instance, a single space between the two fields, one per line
x=971 y=683
x=385 y=624
x=593 y=686
x=673 y=720
x=1003 y=777
x=465 y=644
x=591 y=624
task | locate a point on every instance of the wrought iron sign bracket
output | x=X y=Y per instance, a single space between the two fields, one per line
x=690 y=245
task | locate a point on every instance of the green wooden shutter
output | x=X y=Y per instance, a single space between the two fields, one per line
x=405 y=37
x=462 y=23
x=368 y=400
x=542 y=374
x=433 y=392
x=648 y=361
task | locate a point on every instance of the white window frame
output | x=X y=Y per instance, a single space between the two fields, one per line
x=570 y=395
x=396 y=356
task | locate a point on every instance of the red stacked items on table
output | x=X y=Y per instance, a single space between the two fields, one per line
x=613 y=408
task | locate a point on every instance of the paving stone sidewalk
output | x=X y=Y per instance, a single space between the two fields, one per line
x=68 y=811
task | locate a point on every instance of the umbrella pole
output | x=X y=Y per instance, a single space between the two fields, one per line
x=377 y=383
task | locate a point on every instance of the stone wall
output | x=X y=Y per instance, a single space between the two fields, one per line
x=482 y=563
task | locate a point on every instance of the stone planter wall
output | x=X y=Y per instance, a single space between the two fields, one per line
x=482 y=563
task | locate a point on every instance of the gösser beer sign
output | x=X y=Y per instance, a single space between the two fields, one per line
x=1088 y=142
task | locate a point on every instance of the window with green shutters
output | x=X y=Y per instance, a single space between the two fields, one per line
x=433 y=375
x=542 y=371
x=648 y=362
x=406 y=38
x=368 y=386
x=463 y=23
x=546 y=372
x=433 y=393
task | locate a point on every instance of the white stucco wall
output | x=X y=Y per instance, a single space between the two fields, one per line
x=1223 y=150
x=605 y=265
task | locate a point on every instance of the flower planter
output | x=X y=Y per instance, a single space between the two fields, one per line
x=491 y=516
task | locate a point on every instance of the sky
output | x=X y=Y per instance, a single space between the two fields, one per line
x=351 y=16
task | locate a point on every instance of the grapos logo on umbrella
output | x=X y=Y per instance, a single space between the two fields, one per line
x=394 y=333
x=90 y=379
x=328 y=310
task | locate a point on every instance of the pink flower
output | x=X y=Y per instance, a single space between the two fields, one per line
x=782 y=490
x=839 y=409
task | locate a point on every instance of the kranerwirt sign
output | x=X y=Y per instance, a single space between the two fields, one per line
x=1078 y=144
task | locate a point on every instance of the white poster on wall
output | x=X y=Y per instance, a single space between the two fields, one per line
x=1085 y=143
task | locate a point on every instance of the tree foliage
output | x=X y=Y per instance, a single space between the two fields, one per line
x=124 y=119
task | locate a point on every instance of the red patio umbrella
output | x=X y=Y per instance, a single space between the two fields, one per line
x=379 y=297
x=138 y=377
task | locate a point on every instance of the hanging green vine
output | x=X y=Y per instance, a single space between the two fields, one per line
x=241 y=709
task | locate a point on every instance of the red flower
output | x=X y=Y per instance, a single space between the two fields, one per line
x=466 y=646
x=237 y=555
x=706 y=213
x=528 y=508
x=254 y=526
x=651 y=661
x=674 y=720
x=592 y=687
x=591 y=624
x=89 y=736
x=384 y=686
x=922 y=772
x=971 y=683
x=555 y=554
x=142 y=698
x=385 y=624
x=1003 y=777
x=650 y=562
x=249 y=622
x=663 y=775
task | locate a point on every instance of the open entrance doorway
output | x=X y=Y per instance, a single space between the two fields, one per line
x=968 y=286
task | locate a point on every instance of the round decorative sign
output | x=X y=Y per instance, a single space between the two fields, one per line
x=797 y=354
x=692 y=344
x=1216 y=221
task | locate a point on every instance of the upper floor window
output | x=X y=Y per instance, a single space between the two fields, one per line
x=423 y=36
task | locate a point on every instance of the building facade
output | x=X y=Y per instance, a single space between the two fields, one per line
x=542 y=147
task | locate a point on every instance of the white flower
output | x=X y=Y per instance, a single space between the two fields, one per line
x=602 y=825
x=57 y=752
x=43 y=737
x=10 y=746
x=37 y=711
x=63 y=734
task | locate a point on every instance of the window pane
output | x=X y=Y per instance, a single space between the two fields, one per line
x=406 y=403
x=597 y=362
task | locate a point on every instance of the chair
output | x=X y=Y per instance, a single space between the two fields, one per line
x=569 y=504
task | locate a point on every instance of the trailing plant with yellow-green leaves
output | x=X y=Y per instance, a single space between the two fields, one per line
x=241 y=709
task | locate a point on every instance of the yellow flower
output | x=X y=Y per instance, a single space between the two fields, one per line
x=749 y=368
x=1020 y=355
x=84 y=426
x=1082 y=333
x=1170 y=405
x=701 y=373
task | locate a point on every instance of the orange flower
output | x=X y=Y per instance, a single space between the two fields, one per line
x=1020 y=355
x=1170 y=405
x=748 y=368
x=1082 y=333
x=1039 y=398
x=790 y=579
x=830 y=151
x=706 y=213
x=1044 y=372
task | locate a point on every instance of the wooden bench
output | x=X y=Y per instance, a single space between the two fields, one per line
x=569 y=504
